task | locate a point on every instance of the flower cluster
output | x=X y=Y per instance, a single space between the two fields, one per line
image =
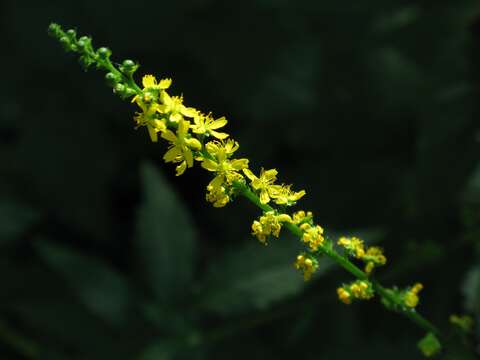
x=372 y=256
x=359 y=289
x=269 y=224
x=307 y=264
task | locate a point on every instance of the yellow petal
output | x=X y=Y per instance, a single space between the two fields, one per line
x=187 y=153
x=181 y=168
x=149 y=81
x=165 y=83
x=284 y=218
x=177 y=117
x=189 y=111
x=299 y=195
x=183 y=127
x=219 y=135
x=209 y=165
x=172 y=154
x=257 y=183
x=239 y=164
x=264 y=198
x=231 y=146
x=152 y=133
x=249 y=174
x=165 y=98
x=193 y=143
x=216 y=183
x=159 y=125
x=217 y=124
x=270 y=174
x=212 y=147
x=169 y=135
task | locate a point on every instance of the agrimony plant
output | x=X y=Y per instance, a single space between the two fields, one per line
x=197 y=137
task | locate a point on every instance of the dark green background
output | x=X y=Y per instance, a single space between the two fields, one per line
x=371 y=106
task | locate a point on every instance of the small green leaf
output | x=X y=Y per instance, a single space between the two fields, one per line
x=429 y=345
x=255 y=276
x=165 y=238
x=99 y=288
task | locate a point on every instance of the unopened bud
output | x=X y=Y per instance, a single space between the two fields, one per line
x=111 y=78
x=104 y=52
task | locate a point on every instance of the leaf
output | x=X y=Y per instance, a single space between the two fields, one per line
x=255 y=276
x=102 y=290
x=16 y=218
x=165 y=238
x=471 y=291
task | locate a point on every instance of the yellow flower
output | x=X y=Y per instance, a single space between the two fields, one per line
x=263 y=183
x=344 y=296
x=373 y=257
x=147 y=118
x=410 y=298
x=149 y=83
x=173 y=107
x=283 y=195
x=181 y=147
x=353 y=245
x=269 y=224
x=312 y=236
x=205 y=124
x=307 y=265
x=217 y=196
x=301 y=217
x=220 y=164
x=359 y=289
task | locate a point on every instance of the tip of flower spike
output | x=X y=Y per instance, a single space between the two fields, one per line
x=54 y=29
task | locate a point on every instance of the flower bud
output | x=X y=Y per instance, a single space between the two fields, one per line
x=85 y=61
x=119 y=88
x=104 y=52
x=71 y=34
x=112 y=79
x=128 y=67
x=129 y=92
x=128 y=64
x=54 y=30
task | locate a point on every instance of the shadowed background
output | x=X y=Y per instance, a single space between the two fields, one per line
x=370 y=106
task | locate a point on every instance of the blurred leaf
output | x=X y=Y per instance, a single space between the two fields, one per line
x=165 y=238
x=255 y=276
x=15 y=219
x=471 y=290
x=102 y=290
x=64 y=322
x=163 y=349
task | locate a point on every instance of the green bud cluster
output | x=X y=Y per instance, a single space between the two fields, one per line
x=119 y=78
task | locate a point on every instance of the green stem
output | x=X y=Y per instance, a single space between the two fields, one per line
x=329 y=251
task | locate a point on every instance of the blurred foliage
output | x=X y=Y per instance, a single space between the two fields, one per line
x=370 y=106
